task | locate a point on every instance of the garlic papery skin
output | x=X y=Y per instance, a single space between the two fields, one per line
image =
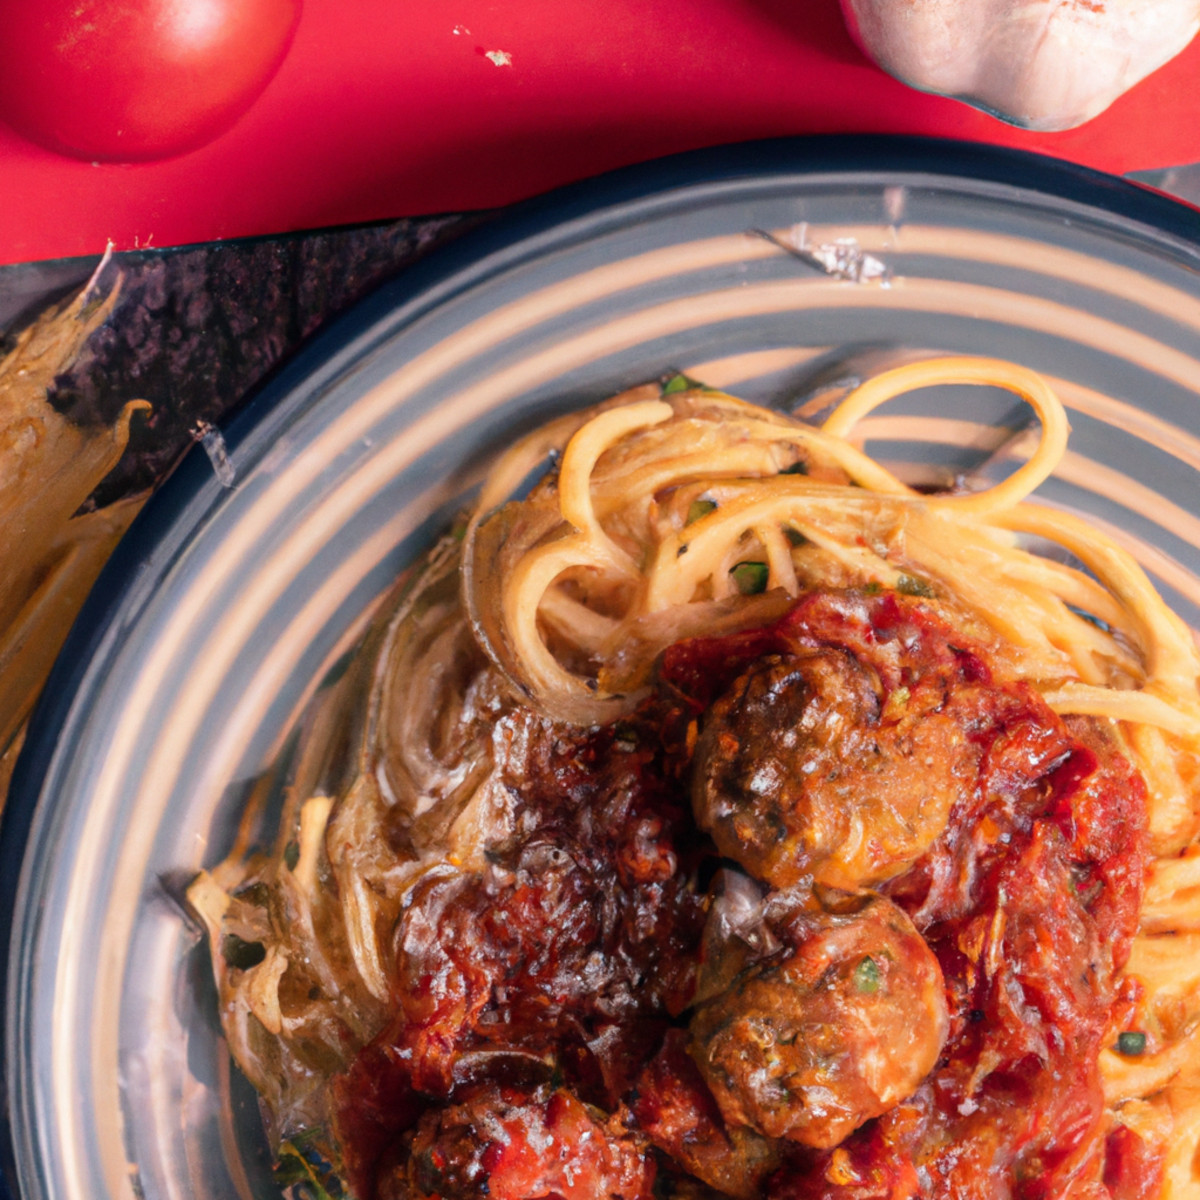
x=1040 y=64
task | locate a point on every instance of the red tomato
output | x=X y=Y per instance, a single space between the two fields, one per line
x=136 y=79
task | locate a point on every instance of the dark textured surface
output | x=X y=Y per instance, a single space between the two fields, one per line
x=196 y=330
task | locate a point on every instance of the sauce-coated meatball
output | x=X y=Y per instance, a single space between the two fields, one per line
x=676 y=1109
x=805 y=767
x=506 y=1143
x=835 y=1029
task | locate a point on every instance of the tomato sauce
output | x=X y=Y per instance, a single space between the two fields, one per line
x=568 y=966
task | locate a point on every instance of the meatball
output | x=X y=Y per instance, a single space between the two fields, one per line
x=806 y=768
x=837 y=1028
x=507 y=1143
x=549 y=954
x=676 y=1110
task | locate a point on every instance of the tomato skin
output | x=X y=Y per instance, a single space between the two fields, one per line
x=129 y=80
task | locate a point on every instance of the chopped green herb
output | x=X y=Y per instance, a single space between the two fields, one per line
x=750 y=577
x=679 y=383
x=1131 y=1044
x=304 y=1169
x=794 y=536
x=910 y=585
x=873 y=588
x=797 y=468
x=700 y=508
x=866 y=976
x=290 y=1170
x=240 y=954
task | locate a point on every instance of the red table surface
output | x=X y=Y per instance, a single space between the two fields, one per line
x=387 y=108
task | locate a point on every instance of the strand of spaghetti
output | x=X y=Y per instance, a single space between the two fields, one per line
x=580 y=457
x=1126 y=1079
x=1094 y=654
x=1019 y=596
x=1171 y=964
x=530 y=578
x=861 y=467
x=1145 y=708
x=588 y=547
x=969 y=571
x=1172 y=660
x=1179 y=1170
x=1172 y=890
x=515 y=464
x=984 y=371
x=682 y=562
x=858 y=564
x=588 y=628
x=1180 y=913
x=1071 y=586
x=722 y=583
x=748 y=460
x=741 y=458
x=1104 y=654
x=779 y=558
x=1170 y=775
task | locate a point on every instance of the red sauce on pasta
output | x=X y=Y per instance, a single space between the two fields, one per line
x=942 y=865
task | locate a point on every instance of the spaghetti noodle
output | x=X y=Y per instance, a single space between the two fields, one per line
x=506 y=910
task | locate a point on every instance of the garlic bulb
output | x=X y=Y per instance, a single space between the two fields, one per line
x=1042 y=64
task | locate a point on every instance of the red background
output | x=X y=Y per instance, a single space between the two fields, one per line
x=381 y=109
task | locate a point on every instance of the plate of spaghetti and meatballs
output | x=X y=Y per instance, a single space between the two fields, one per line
x=691 y=692
x=739 y=818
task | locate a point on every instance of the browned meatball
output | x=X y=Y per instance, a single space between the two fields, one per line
x=806 y=768
x=839 y=1030
x=508 y=1143
x=675 y=1108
